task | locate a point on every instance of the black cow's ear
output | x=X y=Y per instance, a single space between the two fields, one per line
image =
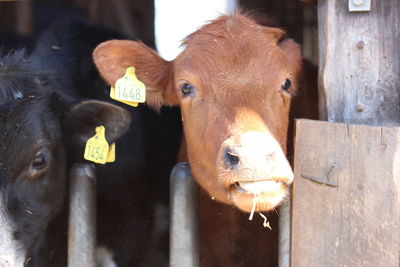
x=83 y=118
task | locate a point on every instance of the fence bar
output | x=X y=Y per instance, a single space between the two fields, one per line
x=82 y=216
x=184 y=207
x=284 y=234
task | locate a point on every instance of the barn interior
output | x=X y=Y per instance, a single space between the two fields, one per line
x=354 y=221
x=22 y=21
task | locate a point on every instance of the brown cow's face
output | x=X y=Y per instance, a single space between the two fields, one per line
x=235 y=99
x=234 y=83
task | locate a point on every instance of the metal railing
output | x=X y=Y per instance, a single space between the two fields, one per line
x=184 y=206
x=82 y=216
x=184 y=250
x=183 y=236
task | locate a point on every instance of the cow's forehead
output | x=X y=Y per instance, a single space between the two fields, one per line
x=19 y=130
x=24 y=131
x=234 y=50
x=236 y=29
x=17 y=82
x=229 y=77
x=235 y=36
x=253 y=63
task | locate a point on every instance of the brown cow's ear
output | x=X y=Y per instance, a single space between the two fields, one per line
x=113 y=57
x=293 y=52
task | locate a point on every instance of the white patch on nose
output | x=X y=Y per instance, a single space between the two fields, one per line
x=260 y=158
x=10 y=251
x=104 y=257
x=256 y=150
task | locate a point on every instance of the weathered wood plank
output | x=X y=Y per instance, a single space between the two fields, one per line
x=356 y=223
x=359 y=63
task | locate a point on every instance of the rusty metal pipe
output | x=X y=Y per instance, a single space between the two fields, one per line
x=184 y=207
x=82 y=216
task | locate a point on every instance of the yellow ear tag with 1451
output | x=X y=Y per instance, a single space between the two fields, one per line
x=129 y=89
x=97 y=148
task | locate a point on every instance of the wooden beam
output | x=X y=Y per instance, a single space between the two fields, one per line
x=24 y=17
x=356 y=223
x=359 y=62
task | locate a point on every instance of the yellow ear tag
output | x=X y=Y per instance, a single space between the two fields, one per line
x=97 y=148
x=111 y=153
x=130 y=103
x=129 y=89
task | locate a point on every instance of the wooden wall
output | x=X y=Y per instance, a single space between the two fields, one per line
x=16 y=16
x=359 y=63
x=356 y=221
x=134 y=18
x=298 y=19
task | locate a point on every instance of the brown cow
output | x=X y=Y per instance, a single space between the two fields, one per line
x=233 y=82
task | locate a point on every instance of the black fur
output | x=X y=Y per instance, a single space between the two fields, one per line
x=37 y=93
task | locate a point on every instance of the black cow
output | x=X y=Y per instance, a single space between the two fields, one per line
x=50 y=104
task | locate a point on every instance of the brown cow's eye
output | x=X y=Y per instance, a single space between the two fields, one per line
x=39 y=162
x=186 y=89
x=286 y=85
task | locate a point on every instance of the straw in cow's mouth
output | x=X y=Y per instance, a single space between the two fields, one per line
x=266 y=222
x=253 y=208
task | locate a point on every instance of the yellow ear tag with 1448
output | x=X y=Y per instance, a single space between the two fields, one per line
x=97 y=148
x=129 y=89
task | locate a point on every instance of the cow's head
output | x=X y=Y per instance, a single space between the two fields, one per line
x=234 y=83
x=38 y=129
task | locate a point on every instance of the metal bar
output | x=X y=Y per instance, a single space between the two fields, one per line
x=184 y=207
x=82 y=216
x=284 y=234
x=319 y=180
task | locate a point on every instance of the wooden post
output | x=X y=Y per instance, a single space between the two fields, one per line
x=346 y=198
x=24 y=17
x=359 y=62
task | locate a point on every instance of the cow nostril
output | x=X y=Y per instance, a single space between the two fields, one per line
x=270 y=155
x=231 y=158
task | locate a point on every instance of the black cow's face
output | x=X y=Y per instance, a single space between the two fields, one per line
x=41 y=136
x=32 y=175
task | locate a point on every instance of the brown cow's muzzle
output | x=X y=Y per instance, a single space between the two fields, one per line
x=254 y=165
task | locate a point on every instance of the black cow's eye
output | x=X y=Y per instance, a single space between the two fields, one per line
x=186 y=89
x=39 y=162
x=286 y=85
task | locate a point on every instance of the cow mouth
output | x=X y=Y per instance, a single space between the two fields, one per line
x=258 y=187
x=264 y=195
